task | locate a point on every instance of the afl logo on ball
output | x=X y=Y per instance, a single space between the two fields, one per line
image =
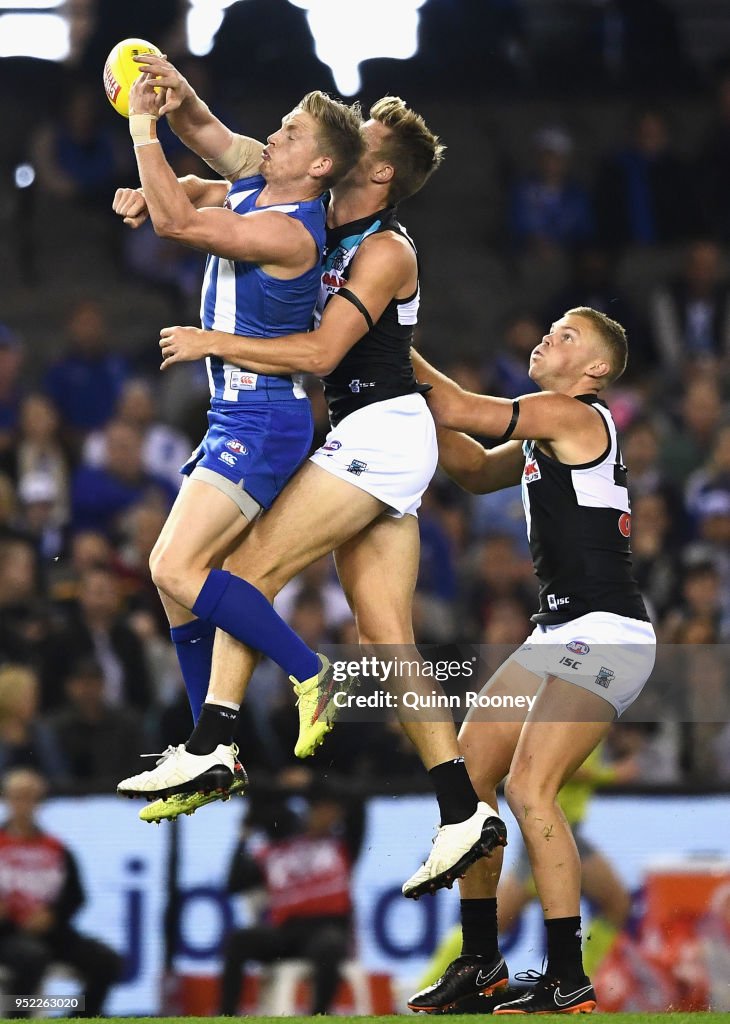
x=624 y=524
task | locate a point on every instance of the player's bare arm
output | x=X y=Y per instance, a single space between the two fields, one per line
x=384 y=268
x=573 y=431
x=476 y=469
x=131 y=205
x=267 y=237
x=232 y=155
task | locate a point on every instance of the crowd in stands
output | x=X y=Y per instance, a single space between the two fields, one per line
x=91 y=438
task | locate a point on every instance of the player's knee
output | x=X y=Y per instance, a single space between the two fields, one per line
x=524 y=792
x=167 y=570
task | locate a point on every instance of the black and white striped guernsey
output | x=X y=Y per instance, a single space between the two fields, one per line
x=579 y=525
x=378 y=366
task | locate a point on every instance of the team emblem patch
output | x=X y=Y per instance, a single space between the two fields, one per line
x=604 y=677
x=332 y=446
x=624 y=524
x=578 y=647
x=531 y=472
x=357 y=467
x=237 y=446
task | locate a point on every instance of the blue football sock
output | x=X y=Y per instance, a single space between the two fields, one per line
x=233 y=605
x=194 y=647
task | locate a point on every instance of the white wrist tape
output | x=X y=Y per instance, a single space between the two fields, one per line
x=143 y=129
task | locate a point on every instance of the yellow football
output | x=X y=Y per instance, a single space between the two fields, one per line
x=120 y=71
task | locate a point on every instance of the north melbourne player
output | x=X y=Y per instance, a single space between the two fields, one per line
x=262 y=277
x=590 y=654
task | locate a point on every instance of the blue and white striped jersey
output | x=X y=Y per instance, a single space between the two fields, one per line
x=240 y=298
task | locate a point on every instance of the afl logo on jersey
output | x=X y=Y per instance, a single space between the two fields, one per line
x=578 y=647
x=532 y=471
x=624 y=524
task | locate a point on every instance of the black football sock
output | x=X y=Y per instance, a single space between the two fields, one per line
x=215 y=726
x=454 y=791
x=564 y=954
x=479 y=927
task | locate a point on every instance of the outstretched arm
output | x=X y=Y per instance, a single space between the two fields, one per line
x=263 y=236
x=548 y=416
x=131 y=205
x=476 y=469
x=379 y=271
x=230 y=155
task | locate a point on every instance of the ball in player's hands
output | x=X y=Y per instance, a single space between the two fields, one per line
x=120 y=71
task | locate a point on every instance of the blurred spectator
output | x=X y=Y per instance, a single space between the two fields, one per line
x=498 y=573
x=85 y=383
x=642 y=191
x=655 y=558
x=40 y=453
x=20 y=598
x=508 y=377
x=40 y=893
x=75 y=156
x=8 y=508
x=700 y=416
x=25 y=741
x=320 y=576
x=11 y=365
x=713 y=474
x=101 y=496
x=549 y=210
x=39 y=497
x=100 y=743
x=651 y=744
x=164 y=449
x=307 y=878
x=690 y=315
x=699 y=604
x=98 y=628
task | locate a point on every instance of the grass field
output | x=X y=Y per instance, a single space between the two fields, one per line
x=467 y=1018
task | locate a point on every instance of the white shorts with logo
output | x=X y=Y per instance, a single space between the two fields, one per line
x=387 y=449
x=610 y=655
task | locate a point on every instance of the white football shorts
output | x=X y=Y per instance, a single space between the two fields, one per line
x=610 y=655
x=387 y=449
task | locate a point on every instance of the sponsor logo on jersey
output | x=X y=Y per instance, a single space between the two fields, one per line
x=357 y=467
x=531 y=472
x=332 y=280
x=242 y=380
x=357 y=385
x=230 y=460
x=237 y=446
x=332 y=446
x=555 y=602
x=578 y=647
x=604 y=677
x=624 y=524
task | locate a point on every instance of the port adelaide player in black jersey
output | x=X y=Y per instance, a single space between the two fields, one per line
x=587 y=659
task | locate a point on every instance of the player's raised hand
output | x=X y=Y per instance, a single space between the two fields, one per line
x=182 y=345
x=142 y=96
x=176 y=87
x=131 y=204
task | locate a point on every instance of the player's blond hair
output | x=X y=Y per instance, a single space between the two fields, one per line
x=410 y=146
x=613 y=337
x=339 y=132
